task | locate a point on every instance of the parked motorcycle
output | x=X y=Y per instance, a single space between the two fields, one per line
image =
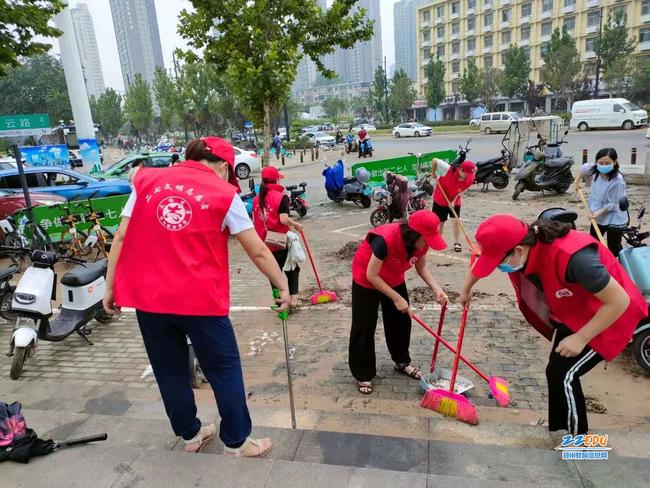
x=353 y=189
x=339 y=137
x=351 y=144
x=7 y=292
x=494 y=171
x=297 y=202
x=82 y=291
x=365 y=148
x=389 y=199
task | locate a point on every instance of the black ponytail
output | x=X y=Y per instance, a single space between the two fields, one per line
x=545 y=231
x=409 y=237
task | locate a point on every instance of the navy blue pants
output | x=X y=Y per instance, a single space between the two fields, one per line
x=216 y=349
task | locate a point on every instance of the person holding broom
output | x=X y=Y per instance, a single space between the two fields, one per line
x=447 y=200
x=607 y=190
x=271 y=214
x=169 y=261
x=378 y=270
x=573 y=291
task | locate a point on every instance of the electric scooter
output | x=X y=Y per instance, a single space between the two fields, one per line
x=82 y=291
x=297 y=202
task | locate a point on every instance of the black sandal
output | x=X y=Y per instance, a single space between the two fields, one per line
x=364 y=387
x=457 y=247
x=415 y=372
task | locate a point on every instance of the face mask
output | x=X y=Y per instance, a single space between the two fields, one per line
x=605 y=168
x=507 y=268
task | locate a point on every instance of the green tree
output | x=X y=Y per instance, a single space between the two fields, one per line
x=21 y=23
x=377 y=95
x=206 y=102
x=107 y=112
x=516 y=71
x=139 y=106
x=618 y=77
x=37 y=86
x=259 y=45
x=334 y=107
x=489 y=87
x=470 y=82
x=640 y=91
x=435 y=89
x=613 y=45
x=402 y=94
x=362 y=107
x=533 y=95
x=168 y=96
x=562 y=65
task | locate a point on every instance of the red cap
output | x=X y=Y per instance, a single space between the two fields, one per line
x=224 y=150
x=468 y=166
x=271 y=173
x=426 y=223
x=497 y=236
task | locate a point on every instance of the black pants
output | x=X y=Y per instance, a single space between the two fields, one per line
x=614 y=237
x=397 y=328
x=292 y=276
x=566 y=403
x=444 y=212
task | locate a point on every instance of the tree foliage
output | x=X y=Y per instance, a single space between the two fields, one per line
x=108 y=113
x=169 y=99
x=22 y=22
x=362 y=107
x=402 y=95
x=533 y=95
x=259 y=45
x=640 y=91
x=516 y=71
x=36 y=86
x=470 y=83
x=618 y=76
x=613 y=45
x=204 y=98
x=334 y=107
x=435 y=74
x=489 y=87
x=377 y=96
x=562 y=64
x=139 y=106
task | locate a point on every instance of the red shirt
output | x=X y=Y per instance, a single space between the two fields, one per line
x=270 y=218
x=363 y=134
x=452 y=185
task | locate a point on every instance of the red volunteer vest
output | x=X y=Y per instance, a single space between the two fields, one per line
x=571 y=304
x=174 y=257
x=396 y=264
x=271 y=215
x=452 y=186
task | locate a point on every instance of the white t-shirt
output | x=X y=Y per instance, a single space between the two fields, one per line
x=442 y=167
x=236 y=220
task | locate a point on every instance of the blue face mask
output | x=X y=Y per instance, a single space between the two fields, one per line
x=605 y=168
x=507 y=268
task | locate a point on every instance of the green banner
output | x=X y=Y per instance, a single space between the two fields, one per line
x=51 y=218
x=404 y=165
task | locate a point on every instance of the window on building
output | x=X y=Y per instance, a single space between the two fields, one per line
x=645 y=7
x=441 y=31
x=487 y=40
x=503 y=59
x=547 y=5
x=487 y=61
x=506 y=37
x=589 y=44
x=526 y=51
x=543 y=49
x=569 y=3
x=547 y=29
x=525 y=33
x=488 y=20
x=455 y=67
x=454 y=87
x=471 y=23
x=471 y=44
x=426 y=53
x=471 y=3
x=619 y=9
x=455 y=8
x=426 y=16
x=455 y=47
x=526 y=9
x=455 y=28
x=644 y=35
x=440 y=50
x=440 y=12
x=426 y=35
x=487 y=2
x=506 y=15
x=569 y=24
x=593 y=18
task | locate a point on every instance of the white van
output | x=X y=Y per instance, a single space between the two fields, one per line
x=608 y=112
x=496 y=121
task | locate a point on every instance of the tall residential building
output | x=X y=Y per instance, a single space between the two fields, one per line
x=460 y=30
x=405 y=14
x=138 y=39
x=84 y=32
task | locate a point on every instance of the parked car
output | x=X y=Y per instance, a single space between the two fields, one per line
x=121 y=168
x=12 y=201
x=497 y=121
x=64 y=182
x=245 y=163
x=321 y=139
x=283 y=133
x=607 y=113
x=9 y=163
x=411 y=129
x=368 y=127
x=475 y=122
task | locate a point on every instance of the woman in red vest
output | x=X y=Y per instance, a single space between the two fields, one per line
x=169 y=261
x=454 y=181
x=271 y=213
x=378 y=270
x=570 y=286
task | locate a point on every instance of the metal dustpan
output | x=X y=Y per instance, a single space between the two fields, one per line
x=439 y=379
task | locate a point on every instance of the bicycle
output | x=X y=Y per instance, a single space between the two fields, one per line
x=101 y=233
x=76 y=245
x=26 y=234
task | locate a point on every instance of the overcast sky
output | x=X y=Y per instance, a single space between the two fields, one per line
x=167 y=11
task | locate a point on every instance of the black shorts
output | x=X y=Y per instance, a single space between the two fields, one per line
x=443 y=211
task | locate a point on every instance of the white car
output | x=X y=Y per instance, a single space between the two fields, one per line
x=245 y=162
x=321 y=139
x=475 y=122
x=411 y=129
x=368 y=127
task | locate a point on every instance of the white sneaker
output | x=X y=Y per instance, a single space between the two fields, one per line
x=206 y=434
x=255 y=448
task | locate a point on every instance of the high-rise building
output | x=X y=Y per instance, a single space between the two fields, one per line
x=138 y=39
x=405 y=28
x=84 y=32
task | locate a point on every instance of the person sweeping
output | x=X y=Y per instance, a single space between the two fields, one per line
x=378 y=278
x=271 y=218
x=573 y=291
x=447 y=199
x=169 y=261
x=607 y=190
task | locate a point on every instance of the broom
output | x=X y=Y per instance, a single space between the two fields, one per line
x=322 y=296
x=498 y=386
x=593 y=221
x=448 y=403
x=471 y=244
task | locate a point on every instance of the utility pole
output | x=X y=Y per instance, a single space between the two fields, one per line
x=385 y=90
x=598 y=61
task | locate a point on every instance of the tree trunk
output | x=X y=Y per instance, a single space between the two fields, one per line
x=266 y=141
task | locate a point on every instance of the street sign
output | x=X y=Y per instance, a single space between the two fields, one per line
x=24 y=125
x=248 y=124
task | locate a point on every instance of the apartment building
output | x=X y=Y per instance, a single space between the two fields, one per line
x=460 y=30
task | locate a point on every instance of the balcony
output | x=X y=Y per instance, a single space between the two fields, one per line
x=426 y=43
x=470 y=11
x=644 y=46
x=525 y=20
x=440 y=39
x=454 y=37
x=505 y=25
x=505 y=2
x=469 y=33
x=591 y=29
x=469 y=52
x=569 y=9
x=439 y=20
x=454 y=16
x=545 y=38
x=540 y=63
x=487 y=50
x=487 y=28
x=487 y=6
x=505 y=45
x=425 y=24
x=645 y=18
x=546 y=15
x=593 y=3
x=590 y=54
x=524 y=42
x=454 y=57
x=455 y=76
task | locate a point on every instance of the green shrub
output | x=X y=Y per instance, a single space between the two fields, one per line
x=565 y=116
x=447 y=123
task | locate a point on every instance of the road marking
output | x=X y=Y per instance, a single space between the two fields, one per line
x=344 y=230
x=448 y=256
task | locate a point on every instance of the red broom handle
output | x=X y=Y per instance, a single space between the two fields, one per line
x=311 y=260
x=450 y=347
x=472 y=246
x=435 y=348
x=461 y=334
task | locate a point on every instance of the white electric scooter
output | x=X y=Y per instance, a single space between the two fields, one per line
x=82 y=291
